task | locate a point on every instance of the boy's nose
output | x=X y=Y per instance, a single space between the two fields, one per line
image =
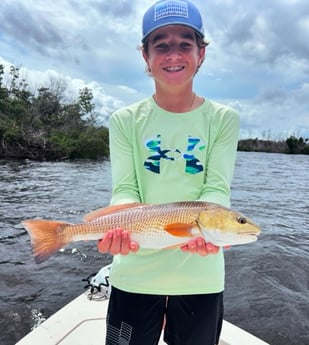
x=174 y=52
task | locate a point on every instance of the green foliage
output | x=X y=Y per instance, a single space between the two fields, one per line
x=297 y=145
x=41 y=126
x=90 y=143
x=258 y=145
x=291 y=145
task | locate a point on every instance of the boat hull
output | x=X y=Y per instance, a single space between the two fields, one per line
x=82 y=321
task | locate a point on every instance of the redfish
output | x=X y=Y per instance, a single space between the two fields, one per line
x=153 y=226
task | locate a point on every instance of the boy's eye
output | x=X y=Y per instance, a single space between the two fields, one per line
x=185 y=45
x=166 y=47
x=161 y=46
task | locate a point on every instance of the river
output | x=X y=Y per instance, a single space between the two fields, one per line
x=267 y=282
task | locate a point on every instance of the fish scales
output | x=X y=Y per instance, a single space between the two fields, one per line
x=139 y=219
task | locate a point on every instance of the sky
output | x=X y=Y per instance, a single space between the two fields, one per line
x=257 y=61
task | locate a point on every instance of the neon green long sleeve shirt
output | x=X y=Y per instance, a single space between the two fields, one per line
x=156 y=157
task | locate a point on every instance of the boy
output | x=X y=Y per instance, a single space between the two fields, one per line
x=172 y=146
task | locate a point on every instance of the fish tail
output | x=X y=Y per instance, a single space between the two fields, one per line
x=47 y=237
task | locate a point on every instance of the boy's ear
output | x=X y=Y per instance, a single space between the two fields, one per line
x=202 y=54
x=145 y=56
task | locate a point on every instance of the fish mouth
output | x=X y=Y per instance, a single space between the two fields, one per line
x=219 y=238
x=254 y=234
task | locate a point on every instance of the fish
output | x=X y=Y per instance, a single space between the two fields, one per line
x=152 y=226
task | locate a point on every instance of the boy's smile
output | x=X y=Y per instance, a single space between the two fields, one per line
x=173 y=69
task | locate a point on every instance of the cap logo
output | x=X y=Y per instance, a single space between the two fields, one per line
x=171 y=9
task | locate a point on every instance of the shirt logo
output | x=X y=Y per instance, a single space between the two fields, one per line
x=193 y=165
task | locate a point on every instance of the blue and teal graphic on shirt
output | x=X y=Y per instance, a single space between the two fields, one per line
x=193 y=165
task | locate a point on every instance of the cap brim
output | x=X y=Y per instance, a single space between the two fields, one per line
x=199 y=33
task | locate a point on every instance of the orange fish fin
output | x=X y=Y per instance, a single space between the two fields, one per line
x=109 y=210
x=46 y=238
x=179 y=229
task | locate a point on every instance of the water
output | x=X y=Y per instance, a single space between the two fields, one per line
x=267 y=282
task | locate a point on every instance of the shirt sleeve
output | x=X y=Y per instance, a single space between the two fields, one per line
x=124 y=182
x=221 y=161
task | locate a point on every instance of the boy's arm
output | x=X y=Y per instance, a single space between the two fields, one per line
x=124 y=182
x=117 y=241
x=221 y=162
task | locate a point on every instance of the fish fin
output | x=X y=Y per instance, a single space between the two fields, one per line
x=180 y=229
x=109 y=210
x=45 y=237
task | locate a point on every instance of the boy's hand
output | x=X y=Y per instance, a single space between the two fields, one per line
x=117 y=242
x=201 y=247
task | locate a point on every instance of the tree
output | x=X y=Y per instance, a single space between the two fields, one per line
x=297 y=145
x=41 y=125
x=87 y=106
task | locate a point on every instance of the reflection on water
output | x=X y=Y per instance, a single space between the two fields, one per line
x=266 y=282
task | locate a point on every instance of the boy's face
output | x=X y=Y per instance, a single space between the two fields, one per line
x=173 y=55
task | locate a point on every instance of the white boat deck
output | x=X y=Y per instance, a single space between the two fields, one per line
x=82 y=322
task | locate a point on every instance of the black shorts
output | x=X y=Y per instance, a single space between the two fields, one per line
x=137 y=319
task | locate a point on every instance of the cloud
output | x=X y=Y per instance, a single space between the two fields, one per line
x=35 y=29
x=119 y=10
x=272 y=35
x=20 y=22
x=276 y=112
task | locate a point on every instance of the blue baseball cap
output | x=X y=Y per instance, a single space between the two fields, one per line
x=172 y=12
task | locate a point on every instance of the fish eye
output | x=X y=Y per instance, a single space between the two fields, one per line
x=242 y=220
